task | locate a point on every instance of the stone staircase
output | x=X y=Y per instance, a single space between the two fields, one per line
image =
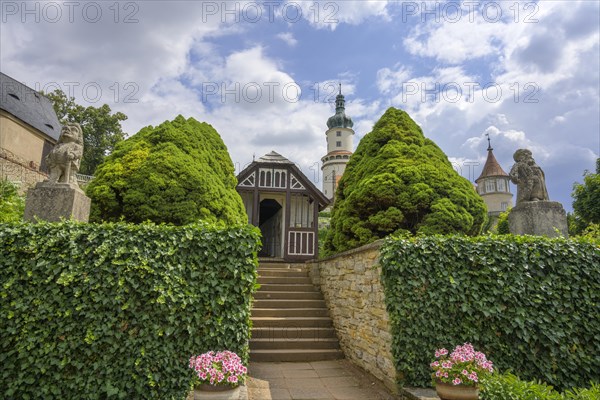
x=290 y=319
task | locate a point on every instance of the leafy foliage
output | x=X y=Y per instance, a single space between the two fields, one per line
x=586 y=201
x=115 y=310
x=502 y=227
x=509 y=387
x=529 y=303
x=178 y=172
x=101 y=128
x=12 y=204
x=398 y=180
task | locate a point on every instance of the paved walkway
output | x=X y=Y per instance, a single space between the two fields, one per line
x=320 y=380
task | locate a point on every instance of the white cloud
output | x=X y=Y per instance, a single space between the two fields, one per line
x=288 y=38
x=330 y=14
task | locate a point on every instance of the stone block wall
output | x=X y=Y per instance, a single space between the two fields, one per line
x=19 y=170
x=351 y=285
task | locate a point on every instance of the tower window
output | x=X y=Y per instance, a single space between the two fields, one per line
x=501 y=186
x=338 y=133
x=338 y=143
x=504 y=206
x=489 y=186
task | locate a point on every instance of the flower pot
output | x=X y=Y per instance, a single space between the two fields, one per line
x=448 y=391
x=207 y=387
x=216 y=392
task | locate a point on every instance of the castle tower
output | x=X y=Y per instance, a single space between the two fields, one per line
x=339 y=146
x=493 y=185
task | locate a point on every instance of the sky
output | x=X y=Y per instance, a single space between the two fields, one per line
x=265 y=74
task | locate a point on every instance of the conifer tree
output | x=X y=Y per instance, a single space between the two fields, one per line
x=178 y=172
x=400 y=181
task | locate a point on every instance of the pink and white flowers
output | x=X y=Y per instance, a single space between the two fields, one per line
x=464 y=366
x=221 y=368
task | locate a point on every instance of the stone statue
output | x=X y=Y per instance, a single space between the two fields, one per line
x=529 y=178
x=63 y=161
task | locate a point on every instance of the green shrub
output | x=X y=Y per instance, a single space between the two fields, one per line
x=400 y=181
x=529 y=303
x=502 y=227
x=12 y=204
x=116 y=310
x=509 y=387
x=178 y=172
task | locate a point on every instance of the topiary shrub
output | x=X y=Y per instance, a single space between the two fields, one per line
x=178 y=172
x=398 y=180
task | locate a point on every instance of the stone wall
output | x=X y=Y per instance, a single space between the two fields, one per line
x=16 y=169
x=352 y=288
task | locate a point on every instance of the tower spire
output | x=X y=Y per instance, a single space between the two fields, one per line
x=489 y=142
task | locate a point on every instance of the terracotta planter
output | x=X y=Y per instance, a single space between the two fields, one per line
x=216 y=392
x=448 y=391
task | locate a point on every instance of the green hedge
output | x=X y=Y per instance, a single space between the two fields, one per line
x=530 y=303
x=116 y=310
x=509 y=387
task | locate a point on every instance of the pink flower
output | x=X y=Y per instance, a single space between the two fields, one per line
x=456 y=381
x=465 y=372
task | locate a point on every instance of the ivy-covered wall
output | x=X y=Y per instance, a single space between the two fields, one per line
x=530 y=303
x=116 y=310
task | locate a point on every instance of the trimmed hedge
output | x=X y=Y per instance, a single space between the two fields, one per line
x=116 y=310
x=531 y=304
x=509 y=387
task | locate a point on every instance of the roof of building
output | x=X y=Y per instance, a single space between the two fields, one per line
x=274 y=157
x=29 y=106
x=491 y=167
x=340 y=119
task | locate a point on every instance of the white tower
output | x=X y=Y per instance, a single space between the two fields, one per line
x=339 y=147
x=493 y=185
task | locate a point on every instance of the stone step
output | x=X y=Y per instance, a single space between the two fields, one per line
x=281 y=344
x=290 y=312
x=288 y=303
x=262 y=294
x=293 y=333
x=282 y=272
x=285 y=280
x=292 y=322
x=297 y=355
x=271 y=287
x=280 y=264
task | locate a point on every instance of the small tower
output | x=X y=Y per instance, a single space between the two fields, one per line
x=493 y=185
x=339 y=146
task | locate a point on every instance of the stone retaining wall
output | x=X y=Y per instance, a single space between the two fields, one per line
x=15 y=169
x=352 y=288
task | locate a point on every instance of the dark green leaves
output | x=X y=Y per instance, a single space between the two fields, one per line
x=530 y=303
x=116 y=310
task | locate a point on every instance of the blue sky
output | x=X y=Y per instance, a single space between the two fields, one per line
x=526 y=73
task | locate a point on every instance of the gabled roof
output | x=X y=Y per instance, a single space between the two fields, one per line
x=491 y=167
x=274 y=159
x=29 y=106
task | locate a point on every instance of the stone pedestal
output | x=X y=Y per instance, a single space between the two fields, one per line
x=542 y=218
x=53 y=201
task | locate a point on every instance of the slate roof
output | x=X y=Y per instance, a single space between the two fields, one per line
x=492 y=167
x=274 y=158
x=29 y=106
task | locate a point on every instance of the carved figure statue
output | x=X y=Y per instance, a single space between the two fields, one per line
x=529 y=178
x=63 y=161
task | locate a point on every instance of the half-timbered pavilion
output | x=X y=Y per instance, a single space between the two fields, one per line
x=285 y=205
